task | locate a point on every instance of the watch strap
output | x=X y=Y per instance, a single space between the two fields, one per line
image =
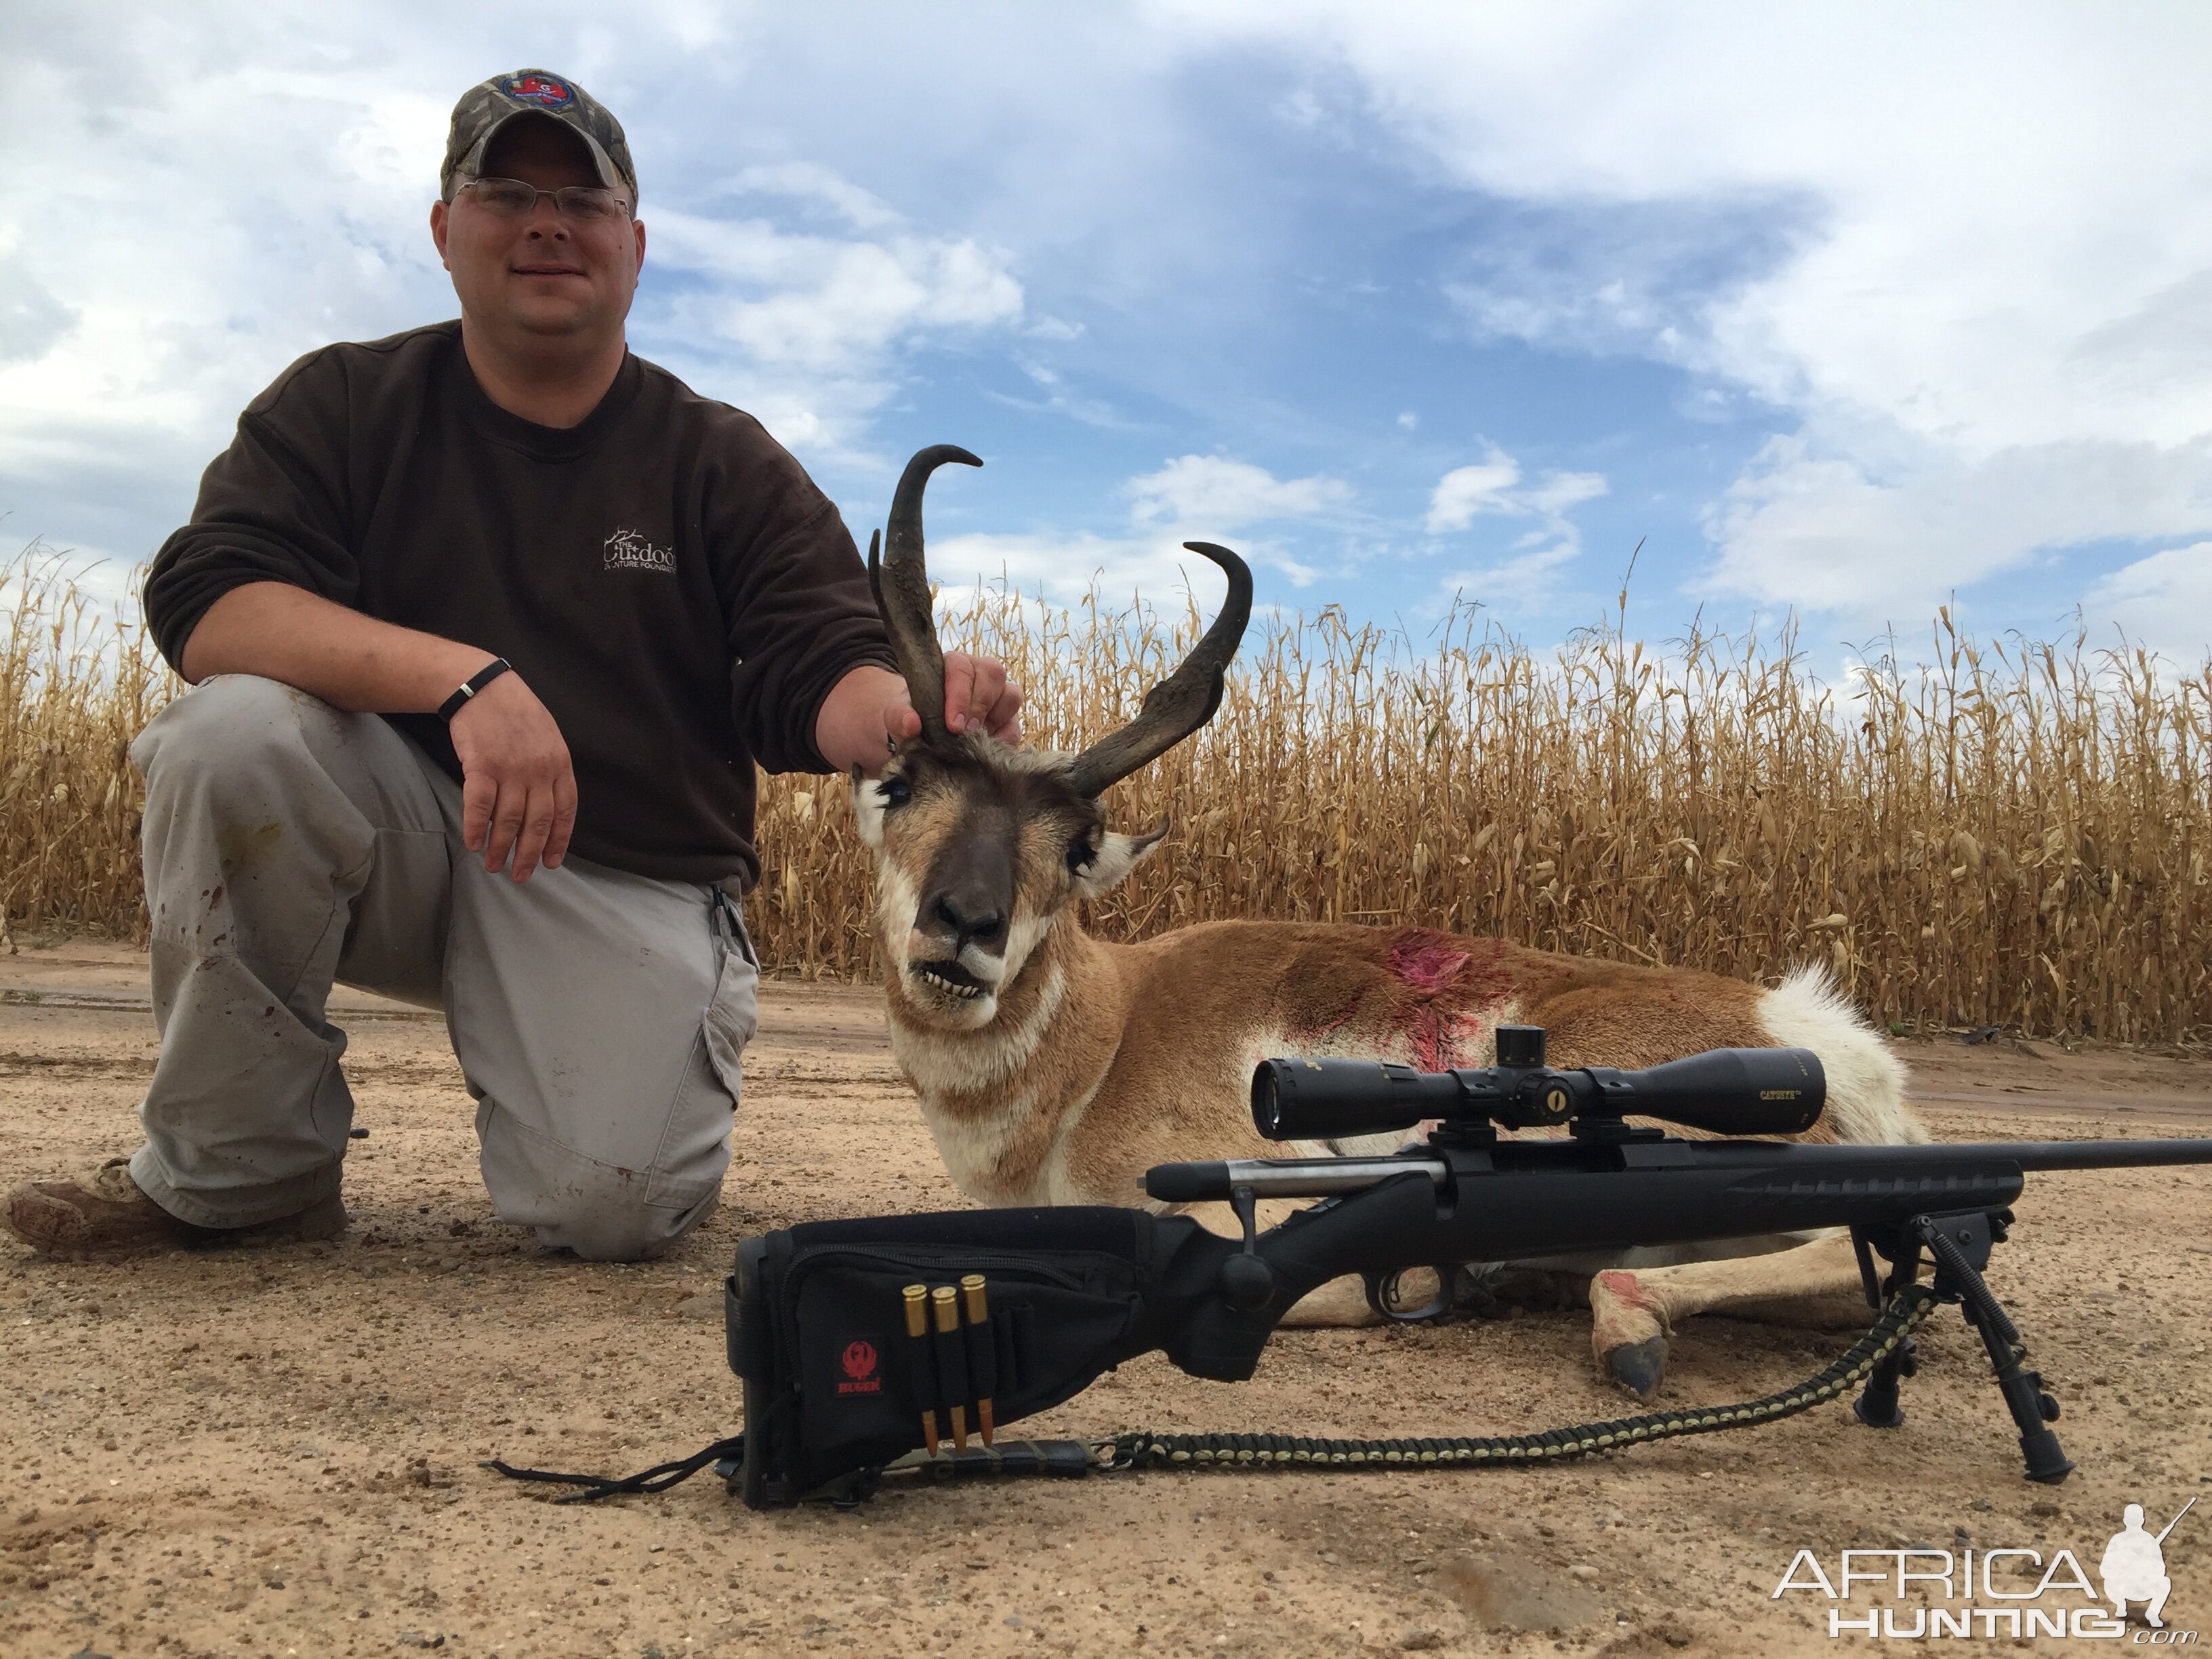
x=476 y=682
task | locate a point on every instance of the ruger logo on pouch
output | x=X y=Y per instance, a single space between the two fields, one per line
x=858 y=1360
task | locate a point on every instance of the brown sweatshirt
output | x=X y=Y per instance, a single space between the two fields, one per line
x=665 y=577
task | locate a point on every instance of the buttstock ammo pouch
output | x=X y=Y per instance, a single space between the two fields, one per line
x=838 y=1381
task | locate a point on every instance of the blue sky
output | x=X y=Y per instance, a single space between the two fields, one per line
x=1853 y=312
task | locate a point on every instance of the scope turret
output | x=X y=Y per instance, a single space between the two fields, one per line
x=1729 y=1091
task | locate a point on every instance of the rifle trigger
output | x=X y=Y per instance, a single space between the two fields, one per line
x=1869 y=1281
x=1384 y=1294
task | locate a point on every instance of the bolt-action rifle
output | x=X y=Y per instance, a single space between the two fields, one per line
x=844 y=1382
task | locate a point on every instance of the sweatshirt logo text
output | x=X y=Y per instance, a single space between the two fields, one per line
x=628 y=550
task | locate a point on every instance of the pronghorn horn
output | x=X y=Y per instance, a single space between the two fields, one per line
x=1183 y=702
x=900 y=584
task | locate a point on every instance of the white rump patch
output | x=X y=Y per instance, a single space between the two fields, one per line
x=1866 y=1082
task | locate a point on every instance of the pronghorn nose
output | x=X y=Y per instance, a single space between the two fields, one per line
x=977 y=926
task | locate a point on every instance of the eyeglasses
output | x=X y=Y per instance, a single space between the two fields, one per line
x=510 y=198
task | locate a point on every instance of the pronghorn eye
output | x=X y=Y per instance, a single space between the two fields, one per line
x=1081 y=855
x=894 y=791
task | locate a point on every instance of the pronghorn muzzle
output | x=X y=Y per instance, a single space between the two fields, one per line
x=958 y=940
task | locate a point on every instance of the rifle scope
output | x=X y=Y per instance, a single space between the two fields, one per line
x=1729 y=1092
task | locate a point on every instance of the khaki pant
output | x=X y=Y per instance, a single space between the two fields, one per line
x=597 y=1016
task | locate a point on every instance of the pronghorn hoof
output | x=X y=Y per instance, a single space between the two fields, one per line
x=1638 y=1366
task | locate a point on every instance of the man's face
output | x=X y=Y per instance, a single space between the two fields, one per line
x=541 y=277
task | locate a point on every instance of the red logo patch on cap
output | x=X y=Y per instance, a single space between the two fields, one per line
x=543 y=90
x=858 y=1360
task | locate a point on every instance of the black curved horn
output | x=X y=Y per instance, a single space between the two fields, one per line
x=900 y=584
x=1183 y=702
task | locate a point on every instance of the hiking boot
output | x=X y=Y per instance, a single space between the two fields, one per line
x=106 y=1216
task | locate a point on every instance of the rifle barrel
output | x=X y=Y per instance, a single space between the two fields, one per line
x=1281 y=1177
x=2033 y=1155
x=1785 y=1161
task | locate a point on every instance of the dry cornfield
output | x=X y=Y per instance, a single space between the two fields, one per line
x=75 y=688
x=2013 y=835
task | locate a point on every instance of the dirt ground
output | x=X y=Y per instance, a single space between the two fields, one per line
x=275 y=1453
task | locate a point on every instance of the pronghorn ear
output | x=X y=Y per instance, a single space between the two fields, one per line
x=1117 y=856
x=868 y=808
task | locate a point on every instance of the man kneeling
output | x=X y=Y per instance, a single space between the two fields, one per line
x=456 y=604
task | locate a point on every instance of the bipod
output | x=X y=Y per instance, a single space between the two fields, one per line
x=1960 y=1244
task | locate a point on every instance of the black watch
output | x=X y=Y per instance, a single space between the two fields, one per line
x=476 y=682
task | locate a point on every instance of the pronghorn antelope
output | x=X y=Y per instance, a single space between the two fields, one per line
x=1055 y=1068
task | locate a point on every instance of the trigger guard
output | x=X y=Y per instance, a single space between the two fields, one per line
x=1382 y=1288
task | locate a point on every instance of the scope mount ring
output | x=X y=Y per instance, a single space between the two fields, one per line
x=1382 y=1293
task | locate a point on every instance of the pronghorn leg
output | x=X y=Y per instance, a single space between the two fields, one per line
x=1341 y=1302
x=1634 y=1309
x=1494 y=1290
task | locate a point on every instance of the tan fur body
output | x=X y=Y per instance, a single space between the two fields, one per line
x=1104 y=1060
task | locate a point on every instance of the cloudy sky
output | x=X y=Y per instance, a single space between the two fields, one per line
x=1852 y=310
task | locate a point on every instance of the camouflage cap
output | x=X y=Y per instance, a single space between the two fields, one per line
x=484 y=110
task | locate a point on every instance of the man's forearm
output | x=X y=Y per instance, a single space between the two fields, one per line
x=350 y=660
x=849 y=730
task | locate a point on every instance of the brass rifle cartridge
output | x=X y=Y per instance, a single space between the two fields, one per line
x=916 y=1298
x=981 y=1369
x=953 y=1367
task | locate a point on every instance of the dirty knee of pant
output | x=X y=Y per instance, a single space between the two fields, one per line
x=623 y=1233
x=238 y=747
x=608 y=1239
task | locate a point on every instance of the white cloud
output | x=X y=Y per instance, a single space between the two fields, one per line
x=1527 y=583
x=1197 y=497
x=1058 y=399
x=1210 y=492
x=1493 y=485
x=1953 y=251
x=1528 y=580
x=2164 y=602
x=813 y=323
x=1466 y=490
x=819 y=305
x=1813 y=525
x=1065 y=569
x=809 y=181
x=1561 y=490
x=198 y=197
x=1962 y=257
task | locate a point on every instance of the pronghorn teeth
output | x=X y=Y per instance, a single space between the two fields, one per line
x=966 y=992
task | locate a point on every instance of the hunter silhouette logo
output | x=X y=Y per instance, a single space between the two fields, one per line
x=858 y=1360
x=2134 y=1565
